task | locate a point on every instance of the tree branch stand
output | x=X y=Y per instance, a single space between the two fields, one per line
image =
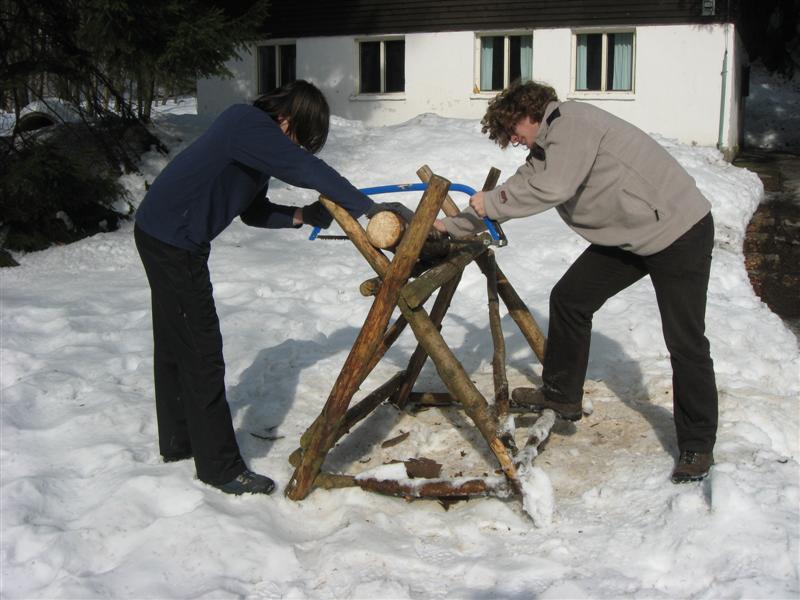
x=420 y=478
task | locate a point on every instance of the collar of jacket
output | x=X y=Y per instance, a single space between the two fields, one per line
x=551 y=113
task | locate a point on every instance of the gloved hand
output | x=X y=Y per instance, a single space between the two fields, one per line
x=399 y=209
x=316 y=215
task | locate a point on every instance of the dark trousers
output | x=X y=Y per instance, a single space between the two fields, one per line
x=680 y=277
x=191 y=407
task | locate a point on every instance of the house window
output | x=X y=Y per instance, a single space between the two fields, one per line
x=382 y=66
x=503 y=59
x=276 y=66
x=604 y=61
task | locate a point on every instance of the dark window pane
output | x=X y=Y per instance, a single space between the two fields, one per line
x=370 y=61
x=267 y=76
x=288 y=70
x=395 y=66
x=514 y=65
x=610 y=63
x=497 y=64
x=594 y=61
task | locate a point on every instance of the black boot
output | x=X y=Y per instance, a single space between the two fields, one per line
x=536 y=399
x=692 y=466
x=248 y=483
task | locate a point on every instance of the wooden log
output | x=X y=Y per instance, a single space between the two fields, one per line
x=417 y=292
x=539 y=432
x=333 y=481
x=418 y=358
x=499 y=356
x=386 y=229
x=370 y=286
x=352 y=374
x=436 y=488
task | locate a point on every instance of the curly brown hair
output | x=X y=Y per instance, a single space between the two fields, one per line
x=517 y=101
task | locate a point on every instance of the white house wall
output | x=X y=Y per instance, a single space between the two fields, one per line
x=678 y=81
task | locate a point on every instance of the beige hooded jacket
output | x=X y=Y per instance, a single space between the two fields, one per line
x=610 y=182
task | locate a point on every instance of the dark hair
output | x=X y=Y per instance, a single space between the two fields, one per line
x=517 y=101
x=304 y=105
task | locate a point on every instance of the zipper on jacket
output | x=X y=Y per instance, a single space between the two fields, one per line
x=657 y=217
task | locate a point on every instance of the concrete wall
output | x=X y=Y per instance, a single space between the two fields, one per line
x=678 y=80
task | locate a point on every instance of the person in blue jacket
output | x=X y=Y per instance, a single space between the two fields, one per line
x=223 y=174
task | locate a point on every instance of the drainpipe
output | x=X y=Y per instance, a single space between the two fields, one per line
x=724 y=88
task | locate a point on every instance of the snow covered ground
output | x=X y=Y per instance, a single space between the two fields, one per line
x=89 y=510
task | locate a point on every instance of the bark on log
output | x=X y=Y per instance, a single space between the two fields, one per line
x=353 y=371
x=370 y=286
x=417 y=292
x=386 y=229
x=499 y=356
x=438 y=488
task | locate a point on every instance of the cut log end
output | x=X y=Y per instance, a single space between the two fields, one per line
x=385 y=230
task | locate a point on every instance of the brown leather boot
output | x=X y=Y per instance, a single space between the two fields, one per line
x=692 y=466
x=535 y=398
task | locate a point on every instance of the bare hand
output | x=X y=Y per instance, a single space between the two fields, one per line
x=438 y=225
x=476 y=202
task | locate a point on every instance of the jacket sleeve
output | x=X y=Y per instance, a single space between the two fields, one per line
x=571 y=145
x=263 y=213
x=260 y=144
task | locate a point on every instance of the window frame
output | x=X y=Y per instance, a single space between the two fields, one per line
x=381 y=95
x=505 y=34
x=602 y=92
x=277 y=44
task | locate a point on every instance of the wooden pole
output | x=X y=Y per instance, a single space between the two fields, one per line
x=437 y=488
x=353 y=371
x=499 y=356
x=416 y=292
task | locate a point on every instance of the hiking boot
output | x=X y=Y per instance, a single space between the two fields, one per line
x=692 y=466
x=536 y=399
x=248 y=482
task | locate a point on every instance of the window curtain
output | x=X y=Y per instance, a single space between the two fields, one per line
x=487 y=56
x=526 y=58
x=582 y=45
x=623 y=61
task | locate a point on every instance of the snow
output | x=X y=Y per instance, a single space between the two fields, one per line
x=90 y=511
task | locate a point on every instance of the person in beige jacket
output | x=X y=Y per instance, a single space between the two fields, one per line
x=642 y=214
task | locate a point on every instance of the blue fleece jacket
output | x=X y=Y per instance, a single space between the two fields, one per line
x=225 y=173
